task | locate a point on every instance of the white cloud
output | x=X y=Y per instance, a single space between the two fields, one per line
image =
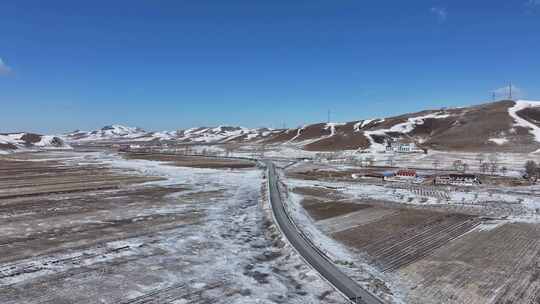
x=504 y=92
x=441 y=13
x=4 y=68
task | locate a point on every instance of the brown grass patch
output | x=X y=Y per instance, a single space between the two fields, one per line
x=194 y=162
x=320 y=210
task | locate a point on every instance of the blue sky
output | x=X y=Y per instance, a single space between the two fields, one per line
x=174 y=64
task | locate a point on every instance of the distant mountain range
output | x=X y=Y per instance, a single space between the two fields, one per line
x=510 y=126
x=221 y=134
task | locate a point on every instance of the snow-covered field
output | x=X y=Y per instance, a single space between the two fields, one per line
x=222 y=252
x=382 y=205
x=352 y=264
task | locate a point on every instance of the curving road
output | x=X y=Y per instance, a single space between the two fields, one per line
x=311 y=255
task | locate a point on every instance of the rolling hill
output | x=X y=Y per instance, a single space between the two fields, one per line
x=512 y=126
x=27 y=141
x=505 y=126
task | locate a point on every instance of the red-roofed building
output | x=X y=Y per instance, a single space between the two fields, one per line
x=406 y=173
x=402 y=175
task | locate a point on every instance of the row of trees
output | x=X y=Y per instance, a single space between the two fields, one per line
x=532 y=170
x=485 y=167
x=486 y=164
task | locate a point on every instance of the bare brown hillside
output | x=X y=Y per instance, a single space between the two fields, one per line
x=486 y=127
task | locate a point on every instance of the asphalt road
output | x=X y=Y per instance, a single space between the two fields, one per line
x=327 y=269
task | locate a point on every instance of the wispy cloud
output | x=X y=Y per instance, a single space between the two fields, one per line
x=504 y=92
x=441 y=13
x=532 y=5
x=4 y=68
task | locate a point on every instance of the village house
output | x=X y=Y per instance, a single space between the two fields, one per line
x=402 y=175
x=457 y=180
x=402 y=146
x=406 y=173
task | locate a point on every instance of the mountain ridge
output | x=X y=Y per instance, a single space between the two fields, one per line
x=505 y=125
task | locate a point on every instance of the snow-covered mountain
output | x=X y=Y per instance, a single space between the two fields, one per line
x=219 y=134
x=222 y=134
x=511 y=126
x=106 y=133
x=25 y=141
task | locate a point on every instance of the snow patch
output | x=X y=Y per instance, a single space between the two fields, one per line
x=499 y=141
x=520 y=105
x=404 y=127
x=332 y=126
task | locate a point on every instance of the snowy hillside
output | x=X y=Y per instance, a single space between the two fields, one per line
x=506 y=126
x=29 y=141
x=221 y=134
x=106 y=133
x=528 y=121
x=512 y=126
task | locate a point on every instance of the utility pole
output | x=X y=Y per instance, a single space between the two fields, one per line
x=328 y=118
x=510 y=91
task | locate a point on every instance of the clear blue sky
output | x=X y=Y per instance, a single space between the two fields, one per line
x=175 y=64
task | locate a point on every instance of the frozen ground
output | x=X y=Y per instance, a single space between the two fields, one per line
x=422 y=244
x=513 y=162
x=352 y=264
x=194 y=236
x=517 y=202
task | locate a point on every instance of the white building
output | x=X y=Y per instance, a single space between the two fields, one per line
x=402 y=147
x=457 y=180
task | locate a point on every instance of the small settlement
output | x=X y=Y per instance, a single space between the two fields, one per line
x=457 y=180
x=412 y=176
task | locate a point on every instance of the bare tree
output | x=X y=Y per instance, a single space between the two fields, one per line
x=493 y=163
x=532 y=170
x=484 y=168
x=481 y=157
x=493 y=168
x=458 y=165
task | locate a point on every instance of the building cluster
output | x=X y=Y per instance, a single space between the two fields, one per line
x=403 y=175
x=403 y=146
x=412 y=176
x=457 y=180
